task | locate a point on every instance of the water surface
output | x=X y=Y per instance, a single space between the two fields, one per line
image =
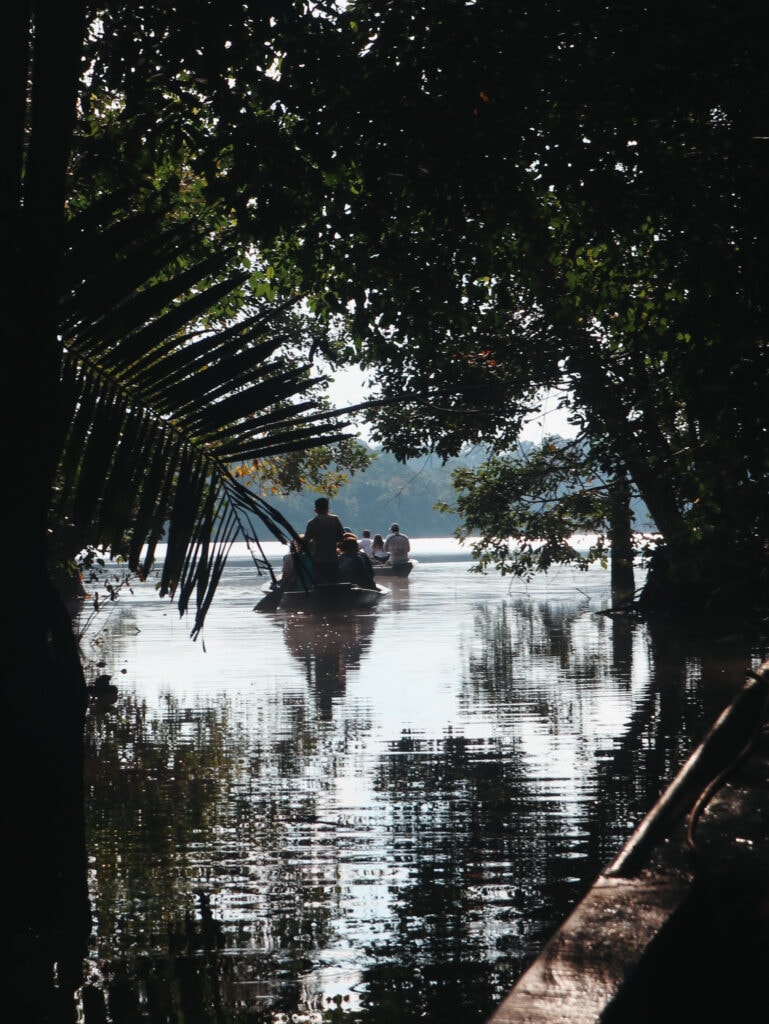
x=377 y=818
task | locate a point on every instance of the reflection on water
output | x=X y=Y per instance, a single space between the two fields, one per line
x=326 y=647
x=379 y=818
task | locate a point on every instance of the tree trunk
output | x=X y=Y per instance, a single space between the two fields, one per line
x=42 y=688
x=46 y=908
x=621 y=538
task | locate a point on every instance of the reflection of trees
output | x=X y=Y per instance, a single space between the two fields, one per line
x=224 y=855
x=476 y=847
x=543 y=667
x=328 y=647
x=164 y=779
x=46 y=909
x=204 y=843
x=491 y=844
x=521 y=640
x=692 y=683
x=542 y=664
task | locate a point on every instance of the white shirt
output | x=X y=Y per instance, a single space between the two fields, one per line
x=398 y=546
x=365 y=545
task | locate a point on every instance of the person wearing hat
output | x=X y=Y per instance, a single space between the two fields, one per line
x=322 y=534
x=397 y=545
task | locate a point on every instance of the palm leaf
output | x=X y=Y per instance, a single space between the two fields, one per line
x=158 y=403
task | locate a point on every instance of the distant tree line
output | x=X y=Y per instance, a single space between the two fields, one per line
x=419 y=494
x=387 y=491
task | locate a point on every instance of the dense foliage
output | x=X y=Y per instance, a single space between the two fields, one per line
x=511 y=198
x=484 y=200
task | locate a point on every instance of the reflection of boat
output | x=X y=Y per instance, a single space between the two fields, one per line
x=328 y=646
x=395 y=568
x=328 y=597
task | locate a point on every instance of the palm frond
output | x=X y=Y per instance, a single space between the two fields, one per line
x=157 y=403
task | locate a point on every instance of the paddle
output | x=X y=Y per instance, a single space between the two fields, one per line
x=269 y=602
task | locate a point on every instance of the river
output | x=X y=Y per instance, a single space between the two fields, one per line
x=374 y=819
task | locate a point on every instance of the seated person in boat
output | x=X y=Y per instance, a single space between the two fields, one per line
x=397 y=545
x=297 y=567
x=365 y=542
x=354 y=566
x=378 y=548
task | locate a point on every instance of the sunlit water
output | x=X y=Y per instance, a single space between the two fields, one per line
x=376 y=818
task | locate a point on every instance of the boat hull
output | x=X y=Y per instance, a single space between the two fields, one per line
x=331 y=597
x=400 y=569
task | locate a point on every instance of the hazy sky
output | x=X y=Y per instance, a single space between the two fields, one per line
x=348 y=389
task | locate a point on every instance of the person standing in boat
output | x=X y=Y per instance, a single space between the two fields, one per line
x=397 y=545
x=322 y=534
